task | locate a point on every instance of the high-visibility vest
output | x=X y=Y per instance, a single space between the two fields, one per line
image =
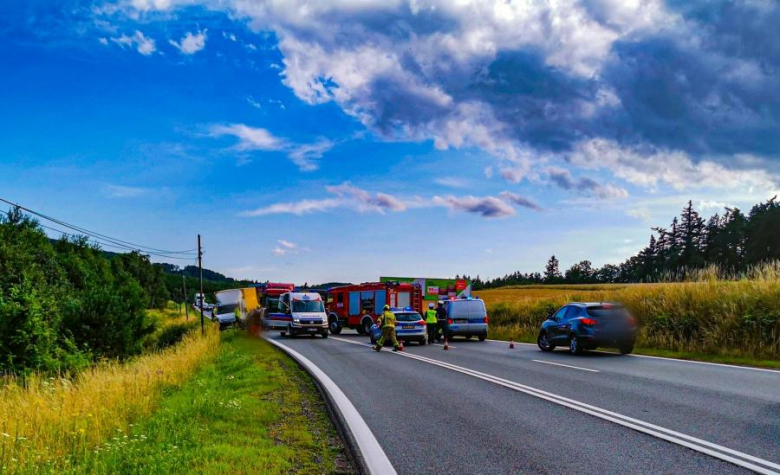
x=430 y=316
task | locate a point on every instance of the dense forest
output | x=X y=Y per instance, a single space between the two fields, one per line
x=66 y=303
x=733 y=242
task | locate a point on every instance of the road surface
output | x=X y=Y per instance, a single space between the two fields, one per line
x=484 y=408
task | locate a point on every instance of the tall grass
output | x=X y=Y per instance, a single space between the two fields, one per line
x=739 y=318
x=45 y=421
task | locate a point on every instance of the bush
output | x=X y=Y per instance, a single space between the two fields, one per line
x=174 y=333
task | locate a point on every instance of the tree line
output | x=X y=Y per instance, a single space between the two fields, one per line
x=66 y=303
x=732 y=241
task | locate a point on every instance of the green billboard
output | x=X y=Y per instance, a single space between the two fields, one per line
x=436 y=289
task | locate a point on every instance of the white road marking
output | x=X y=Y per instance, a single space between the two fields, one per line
x=735 y=457
x=439 y=344
x=567 y=366
x=369 y=447
x=752 y=368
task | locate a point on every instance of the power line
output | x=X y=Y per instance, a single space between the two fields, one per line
x=104 y=239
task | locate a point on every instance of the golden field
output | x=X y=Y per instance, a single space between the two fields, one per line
x=734 y=318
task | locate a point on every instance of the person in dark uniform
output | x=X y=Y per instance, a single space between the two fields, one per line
x=442 y=323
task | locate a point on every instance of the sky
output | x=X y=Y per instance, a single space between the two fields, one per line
x=317 y=141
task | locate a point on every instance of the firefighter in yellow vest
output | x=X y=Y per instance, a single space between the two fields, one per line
x=430 y=323
x=386 y=322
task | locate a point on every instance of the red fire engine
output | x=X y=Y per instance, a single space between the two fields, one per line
x=358 y=306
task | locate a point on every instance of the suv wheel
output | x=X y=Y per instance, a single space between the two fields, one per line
x=544 y=343
x=626 y=349
x=574 y=346
x=483 y=337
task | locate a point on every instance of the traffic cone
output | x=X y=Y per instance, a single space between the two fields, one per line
x=511 y=344
x=446 y=346
x=401 y=345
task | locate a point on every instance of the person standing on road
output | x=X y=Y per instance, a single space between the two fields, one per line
x=431 y=323
x=386 y=322
x=442 y=323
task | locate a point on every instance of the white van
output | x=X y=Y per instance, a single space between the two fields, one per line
x=305 y=312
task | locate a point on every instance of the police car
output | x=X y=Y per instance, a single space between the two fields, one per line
x=409 y=326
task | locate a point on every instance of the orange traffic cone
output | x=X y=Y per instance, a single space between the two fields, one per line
x=446 y=346
x=511 y=344
x=401 y=345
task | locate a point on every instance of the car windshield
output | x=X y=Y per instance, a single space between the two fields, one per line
x=225 y=308
x=303 y=306
x=407 y=317
x=607 y=311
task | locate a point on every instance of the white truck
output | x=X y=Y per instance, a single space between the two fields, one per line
x=230 y=308
x=304 y=312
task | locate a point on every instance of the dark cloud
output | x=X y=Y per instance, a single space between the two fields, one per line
x=562 y=178
x=519 y=200
x=488 y=206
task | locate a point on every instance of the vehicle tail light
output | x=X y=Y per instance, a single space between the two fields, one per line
x=486 y=319
x=421 y=322
x=449 y=321
x=631 y=321
x=589 y=322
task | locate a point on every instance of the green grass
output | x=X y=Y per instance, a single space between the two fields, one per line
x=250 y=410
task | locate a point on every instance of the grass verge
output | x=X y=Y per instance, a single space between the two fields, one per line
x=49 y=423
x=250 y=409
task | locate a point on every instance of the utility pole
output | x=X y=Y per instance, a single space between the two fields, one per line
x=184 y=289
x=200 y=268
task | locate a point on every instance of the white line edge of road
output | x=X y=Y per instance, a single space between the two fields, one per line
x=766 y=467
x=725 y=365
x=375 y=458
x=567 y=366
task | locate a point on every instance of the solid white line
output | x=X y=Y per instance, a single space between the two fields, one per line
x=567 y=366
x=693 y=443
x=725 y=365
x=369 y=447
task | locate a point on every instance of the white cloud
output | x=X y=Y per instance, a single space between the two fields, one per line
x=286 y=244
x=639 y=213
x=650 y=167
x=304 y=155
x=144 y=45
x=119 y=191
x=191 y=43
x=103 y=41
x=285 y=247
x=452 y=182
x=713 y=204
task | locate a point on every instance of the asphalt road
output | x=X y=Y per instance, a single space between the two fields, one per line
x=484 y=408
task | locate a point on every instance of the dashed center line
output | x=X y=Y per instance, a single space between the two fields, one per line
x=567 y=366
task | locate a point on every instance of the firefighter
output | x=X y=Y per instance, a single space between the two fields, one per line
x=442 y=323
x=430 y=323
x=386 y=322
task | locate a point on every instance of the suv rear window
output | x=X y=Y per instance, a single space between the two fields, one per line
x=607 y=311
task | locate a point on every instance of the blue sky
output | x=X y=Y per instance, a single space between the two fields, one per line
x=344 y=140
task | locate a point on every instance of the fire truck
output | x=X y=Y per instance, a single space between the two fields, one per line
x=358 y=306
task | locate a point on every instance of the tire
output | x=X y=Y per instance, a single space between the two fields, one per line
x=468 y=337
x=283 y=334
x=373 y=340
x=324 y=334
x=483 y=337
x=334 y=325
x=421 y=342
x=626 y=349
x=574 y=346
x=543 y=343
x=365 y=326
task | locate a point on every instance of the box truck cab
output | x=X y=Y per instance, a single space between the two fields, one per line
x=304 y=312
x=229 y=307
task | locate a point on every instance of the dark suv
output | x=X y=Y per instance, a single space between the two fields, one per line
x=587 y=326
